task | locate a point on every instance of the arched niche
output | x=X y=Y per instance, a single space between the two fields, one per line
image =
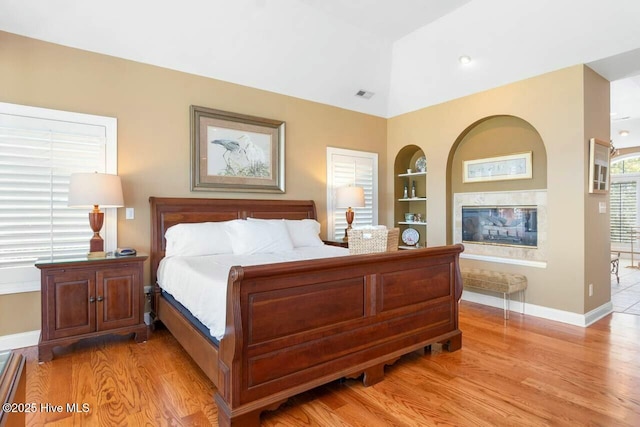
x=406 y=174
x=494 y=136
x=407 y=157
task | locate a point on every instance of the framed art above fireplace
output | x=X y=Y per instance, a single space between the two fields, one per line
x=512 y=166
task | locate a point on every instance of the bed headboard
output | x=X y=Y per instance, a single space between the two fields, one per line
x=166 y=212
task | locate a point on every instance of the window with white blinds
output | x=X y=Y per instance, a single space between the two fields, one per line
x=623 y=202
x=357 y=168
x=39 y=150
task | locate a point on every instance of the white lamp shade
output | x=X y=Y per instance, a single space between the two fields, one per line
x=89 y=189
x=350 y=197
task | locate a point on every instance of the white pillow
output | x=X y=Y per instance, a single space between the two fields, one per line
x=199 y=238
x=255 y=237
x=303 y=232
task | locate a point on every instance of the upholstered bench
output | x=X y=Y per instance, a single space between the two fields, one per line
x=495 y=281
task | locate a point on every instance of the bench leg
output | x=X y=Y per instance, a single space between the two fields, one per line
x=522 y=298
x=507 y=300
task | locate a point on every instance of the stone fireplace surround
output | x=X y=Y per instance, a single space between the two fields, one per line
x=535 y=257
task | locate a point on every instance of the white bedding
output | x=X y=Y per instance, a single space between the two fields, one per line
x=200 y=282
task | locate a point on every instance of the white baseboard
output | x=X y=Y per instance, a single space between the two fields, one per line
x=23 y=339
x=575 y=319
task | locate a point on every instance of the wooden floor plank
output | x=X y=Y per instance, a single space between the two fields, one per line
x=525 y=371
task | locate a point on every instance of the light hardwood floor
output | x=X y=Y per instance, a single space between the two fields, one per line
x=522 y=372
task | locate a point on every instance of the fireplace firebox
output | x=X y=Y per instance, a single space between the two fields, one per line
x=500 y=225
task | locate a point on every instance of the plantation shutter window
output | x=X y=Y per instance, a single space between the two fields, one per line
x=351 y=168
x=39 y=150
x=623 y=200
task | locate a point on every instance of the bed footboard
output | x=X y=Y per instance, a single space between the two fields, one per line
x=294 y=326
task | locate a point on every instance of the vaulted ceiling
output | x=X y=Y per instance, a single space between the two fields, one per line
x=404 y=51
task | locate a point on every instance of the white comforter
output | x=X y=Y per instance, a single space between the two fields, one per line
x=200 y=282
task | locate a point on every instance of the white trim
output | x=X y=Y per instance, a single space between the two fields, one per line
x=598 y=313
x=110 y=124
x=19 y=288
x=331 y=151
x=111 y=157
x=527 y=263
x=582 y=320
x=23 y=339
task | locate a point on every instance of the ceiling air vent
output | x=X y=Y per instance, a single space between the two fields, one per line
x=364 y=94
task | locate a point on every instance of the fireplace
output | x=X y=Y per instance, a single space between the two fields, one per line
x=500 y=225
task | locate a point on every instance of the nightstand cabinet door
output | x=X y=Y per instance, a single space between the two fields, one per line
x=70 y=306
x=88 y=298
x=118 y=298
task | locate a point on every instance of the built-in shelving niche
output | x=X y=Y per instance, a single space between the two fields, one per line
x=406 y=174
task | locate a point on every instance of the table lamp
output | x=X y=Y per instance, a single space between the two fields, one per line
x=94 y=190
x=349 y=197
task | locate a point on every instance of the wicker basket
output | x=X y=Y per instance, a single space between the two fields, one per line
x=365 y=241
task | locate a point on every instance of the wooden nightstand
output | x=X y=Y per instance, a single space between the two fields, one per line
x=340 y=243
x=85 y=298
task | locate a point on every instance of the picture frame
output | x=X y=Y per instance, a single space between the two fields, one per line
x=599 y=157
x=236 y=152
x=512 y=166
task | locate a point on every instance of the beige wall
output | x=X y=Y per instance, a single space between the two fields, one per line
x=597 y=234
x=553 y=104
x=19 y=313
x=152 y=108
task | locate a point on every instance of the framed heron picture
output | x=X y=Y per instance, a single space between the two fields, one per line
x=236 y=152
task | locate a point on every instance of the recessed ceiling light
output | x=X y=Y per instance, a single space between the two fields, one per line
x=464 y=59
x=623 y=133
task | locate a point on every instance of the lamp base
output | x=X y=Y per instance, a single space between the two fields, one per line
x=346 y=234
x=96 y=244
x=350 y=215
x=97 y=254
x=96 y=219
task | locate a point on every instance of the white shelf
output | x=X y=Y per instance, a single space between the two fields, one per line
x=415 y=199
x=412 y=174
x=412 y=223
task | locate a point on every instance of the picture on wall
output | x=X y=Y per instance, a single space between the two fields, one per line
x=236 y=152
x=513 y=166
x=598 y=166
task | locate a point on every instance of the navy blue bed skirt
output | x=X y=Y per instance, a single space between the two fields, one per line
x=190 y=317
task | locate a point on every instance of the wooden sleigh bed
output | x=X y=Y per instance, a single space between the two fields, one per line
x=294 y=326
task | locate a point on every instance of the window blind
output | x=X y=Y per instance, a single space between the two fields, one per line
x=623 y=202
x=349 y=167
x=39 y=150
